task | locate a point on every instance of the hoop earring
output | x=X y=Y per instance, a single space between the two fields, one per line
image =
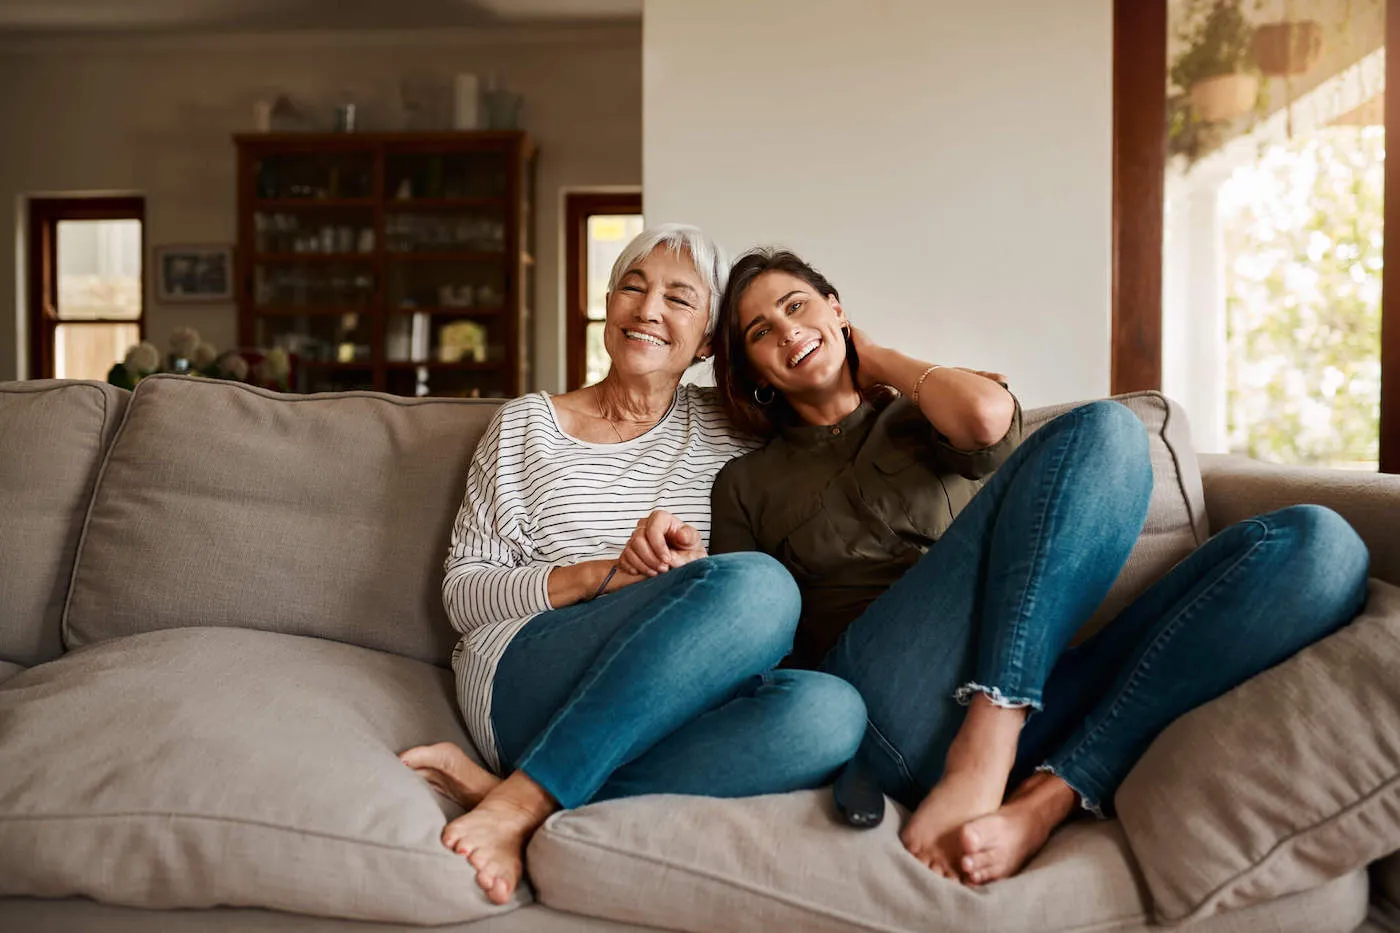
x=764 y=402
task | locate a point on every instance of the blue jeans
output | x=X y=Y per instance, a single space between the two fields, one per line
x=668 y=686
x=994 y=603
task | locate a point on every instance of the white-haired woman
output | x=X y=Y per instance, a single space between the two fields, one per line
x=585 y=672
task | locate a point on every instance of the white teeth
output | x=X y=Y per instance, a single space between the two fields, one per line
x=647 y=338
x=805 y=353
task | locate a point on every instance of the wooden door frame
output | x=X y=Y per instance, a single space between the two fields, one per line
x=1139 y=184
x=44 y=215
x=578 y=207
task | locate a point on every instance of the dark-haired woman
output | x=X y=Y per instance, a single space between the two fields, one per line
x=945 y=565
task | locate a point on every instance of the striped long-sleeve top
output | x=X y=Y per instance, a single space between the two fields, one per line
x=538 y=498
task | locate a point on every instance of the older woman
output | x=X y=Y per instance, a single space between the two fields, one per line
x=586 y=672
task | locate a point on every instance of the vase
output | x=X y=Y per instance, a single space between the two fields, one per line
x=1224 y=97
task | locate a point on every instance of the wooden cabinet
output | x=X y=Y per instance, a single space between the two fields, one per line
x=389 y=261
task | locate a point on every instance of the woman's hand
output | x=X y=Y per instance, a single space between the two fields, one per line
x=868 y=352
x=660 y=542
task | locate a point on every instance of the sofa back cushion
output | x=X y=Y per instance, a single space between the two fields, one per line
x=55 y=433
x=1288 y=780
x=1176 y=516
x=326 y=515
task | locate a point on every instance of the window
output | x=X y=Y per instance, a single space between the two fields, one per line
x=86 y=297
x=598 y=226
x=1248 y=212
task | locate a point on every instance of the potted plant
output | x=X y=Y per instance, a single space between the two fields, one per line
x=1287 y=48
x=1215 y=70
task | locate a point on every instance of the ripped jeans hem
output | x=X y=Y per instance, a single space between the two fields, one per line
x=1085 y=801
x=963 y=695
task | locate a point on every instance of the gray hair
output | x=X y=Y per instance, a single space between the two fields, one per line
x=711 y=262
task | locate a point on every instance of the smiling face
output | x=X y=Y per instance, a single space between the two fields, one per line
x=657 y=316
x=792 y=335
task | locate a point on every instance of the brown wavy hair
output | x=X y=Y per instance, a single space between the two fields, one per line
x=734 y=375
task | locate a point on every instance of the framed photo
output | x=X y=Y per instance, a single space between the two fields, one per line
x=194 y=273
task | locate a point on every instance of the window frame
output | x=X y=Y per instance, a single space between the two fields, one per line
x=1139 y=190
x=578 y=207
x=44 y=216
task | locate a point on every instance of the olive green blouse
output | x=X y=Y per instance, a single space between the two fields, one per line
x=847 y=508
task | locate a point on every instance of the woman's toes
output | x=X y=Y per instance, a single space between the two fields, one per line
x=500 y=892
x=977 y=862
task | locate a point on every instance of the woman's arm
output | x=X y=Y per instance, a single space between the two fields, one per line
x=972 y=411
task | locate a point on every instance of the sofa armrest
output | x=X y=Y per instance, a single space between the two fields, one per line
x=1238 y=487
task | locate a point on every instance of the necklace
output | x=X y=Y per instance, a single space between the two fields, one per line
x=598 y=403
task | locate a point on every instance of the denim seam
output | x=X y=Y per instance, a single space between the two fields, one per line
x=598 y=673
x=1043 y=524
x=888 y=748
x=1145 y=664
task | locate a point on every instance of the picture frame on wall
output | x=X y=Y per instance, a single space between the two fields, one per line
x=194 y=272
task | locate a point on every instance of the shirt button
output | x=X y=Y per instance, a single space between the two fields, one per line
x=835 y=430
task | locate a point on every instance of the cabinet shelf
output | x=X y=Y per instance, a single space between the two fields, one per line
x=297 y=204
x=388 y=304
x=465 y=366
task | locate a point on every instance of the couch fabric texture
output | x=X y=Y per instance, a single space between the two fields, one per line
x=308 y=515
x=267 y=776
x=1303 y=783
x=54 y=434
x=254 y=630
x=779 y=863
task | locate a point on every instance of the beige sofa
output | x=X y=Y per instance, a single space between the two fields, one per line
x=220 y=620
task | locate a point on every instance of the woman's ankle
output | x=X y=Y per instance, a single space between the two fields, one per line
x=986 y=742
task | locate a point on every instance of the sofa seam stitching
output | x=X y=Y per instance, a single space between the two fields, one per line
x=824 y=912
x=1258 y=863
x=235 y=821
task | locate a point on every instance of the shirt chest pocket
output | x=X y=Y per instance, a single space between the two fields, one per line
x=908 y=493
x=830 y=535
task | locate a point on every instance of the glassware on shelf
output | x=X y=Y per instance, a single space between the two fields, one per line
x=407 y=233
x=287 y=232
x=298 y=285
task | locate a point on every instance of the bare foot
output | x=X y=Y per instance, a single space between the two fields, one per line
x=973 y=785
x=451 y=773
x=493 y=835
x=933 y=833
x=999 y=844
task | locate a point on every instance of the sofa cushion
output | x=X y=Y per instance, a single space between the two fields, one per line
x=79 y=915
x=783 y=863
x=1290 y=779
x=202 y=766
x=1176 y=515
x=55 y=433
x=1237 y=487
x=8 y=670
x=322 y=515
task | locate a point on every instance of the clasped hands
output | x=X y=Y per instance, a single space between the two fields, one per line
x=660 y=542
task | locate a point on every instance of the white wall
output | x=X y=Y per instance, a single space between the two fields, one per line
x=155 y=116
x=946 y=164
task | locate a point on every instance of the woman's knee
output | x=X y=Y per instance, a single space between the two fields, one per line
x=1115 y=438
x=754 y=593
x=1325 y=556
x=827 y=716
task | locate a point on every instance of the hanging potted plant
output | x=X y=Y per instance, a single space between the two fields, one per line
x=1215 y=70
x=1288 y=48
